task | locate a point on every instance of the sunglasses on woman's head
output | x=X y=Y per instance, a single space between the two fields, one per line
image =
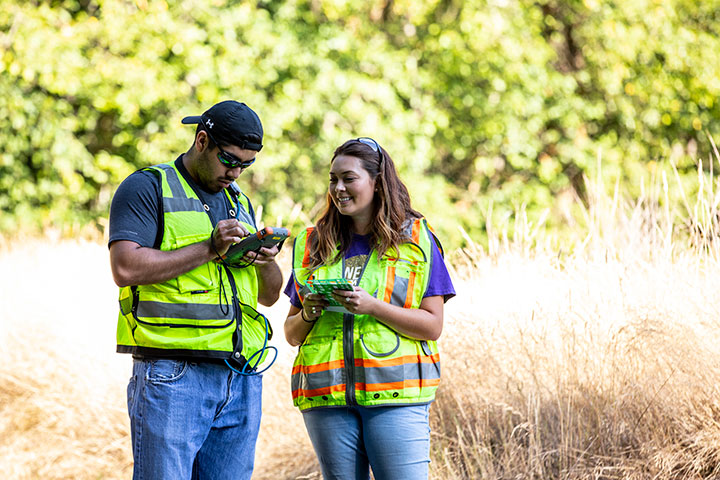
x=372 y=144
x=227 y=158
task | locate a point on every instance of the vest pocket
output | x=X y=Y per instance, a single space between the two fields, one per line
x=381 y=341
x=318 y=369
x=317 y=344
x=320 y=352
x=199 y=279
x=256 y=333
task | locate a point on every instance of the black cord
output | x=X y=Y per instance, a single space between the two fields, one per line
x=212 y=244
x=224 y=308
x=245 y=265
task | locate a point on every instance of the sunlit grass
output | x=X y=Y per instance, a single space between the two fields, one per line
x=594 y=355
x=591 y=357
x=581 y=369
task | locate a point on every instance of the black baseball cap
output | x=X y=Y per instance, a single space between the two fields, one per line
x=231 y=123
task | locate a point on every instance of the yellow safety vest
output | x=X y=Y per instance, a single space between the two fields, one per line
x=351 y=359
x=208 y=312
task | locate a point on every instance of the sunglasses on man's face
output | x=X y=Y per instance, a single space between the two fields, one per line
x=231 y=161
x=227 y=158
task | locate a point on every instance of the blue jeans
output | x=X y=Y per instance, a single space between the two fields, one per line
x=393 y=441
x=192 y=420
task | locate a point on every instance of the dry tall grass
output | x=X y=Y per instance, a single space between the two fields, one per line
x=594 y=357
x=581 y=369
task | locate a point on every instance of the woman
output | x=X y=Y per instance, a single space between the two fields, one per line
x=367 y=370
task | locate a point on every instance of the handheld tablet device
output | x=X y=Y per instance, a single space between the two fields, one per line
x=326 y=287
x=267 y=237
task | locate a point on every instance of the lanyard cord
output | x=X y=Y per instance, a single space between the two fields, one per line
x=259 y=354
x=248 y=368
x=222 y=294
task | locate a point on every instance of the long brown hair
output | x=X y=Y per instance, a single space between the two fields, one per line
x=391 y=208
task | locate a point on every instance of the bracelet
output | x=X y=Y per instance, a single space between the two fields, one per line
x=302 y=314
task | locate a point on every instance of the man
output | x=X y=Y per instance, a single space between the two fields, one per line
x=187 y=317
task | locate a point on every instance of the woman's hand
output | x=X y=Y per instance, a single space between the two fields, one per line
x=313 y=306
x=358 y=301
x=423 y=323
x=300 y=321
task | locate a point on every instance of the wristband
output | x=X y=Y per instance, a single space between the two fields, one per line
x=302 y=314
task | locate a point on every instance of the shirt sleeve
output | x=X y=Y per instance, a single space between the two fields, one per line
x=440 y=282
x=291 y=292
x=134 y=211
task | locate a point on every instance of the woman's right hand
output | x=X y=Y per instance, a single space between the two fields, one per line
x=313 y=306
x=300 y=321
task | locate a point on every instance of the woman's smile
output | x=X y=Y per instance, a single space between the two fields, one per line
x=352 y=189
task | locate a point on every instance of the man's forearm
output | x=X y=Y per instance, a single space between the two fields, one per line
x=136 y=265
x=269 y=283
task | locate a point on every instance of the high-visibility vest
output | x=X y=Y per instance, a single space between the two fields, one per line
x=351 y=359
x=208 y=312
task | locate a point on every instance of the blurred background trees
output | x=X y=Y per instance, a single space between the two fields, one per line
x=501 y=105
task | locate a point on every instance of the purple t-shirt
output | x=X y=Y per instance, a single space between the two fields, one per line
x=356 y=256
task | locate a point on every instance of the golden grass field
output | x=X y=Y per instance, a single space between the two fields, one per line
x=595 y=357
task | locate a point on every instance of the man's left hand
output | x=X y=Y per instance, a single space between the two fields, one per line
x=264 y=256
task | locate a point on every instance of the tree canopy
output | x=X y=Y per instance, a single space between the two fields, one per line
x=479 y=102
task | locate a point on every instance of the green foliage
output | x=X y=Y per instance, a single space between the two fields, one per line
x=484 y=105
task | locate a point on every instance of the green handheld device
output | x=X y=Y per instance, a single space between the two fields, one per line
x=326 y=287
x=267 y=237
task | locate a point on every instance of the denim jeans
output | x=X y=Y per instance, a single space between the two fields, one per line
x=393 y=441
x=192 y=420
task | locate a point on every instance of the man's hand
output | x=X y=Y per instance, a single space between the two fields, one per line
x=226 y=233
x=262 y=257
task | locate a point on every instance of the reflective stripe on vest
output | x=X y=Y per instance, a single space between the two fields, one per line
x=370 y=375
x=355 y=359
x=193 y=314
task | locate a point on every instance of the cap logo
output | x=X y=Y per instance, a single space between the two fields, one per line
x=209 y=123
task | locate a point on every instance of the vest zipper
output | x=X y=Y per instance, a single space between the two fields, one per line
x=349 y=357
x=349 y=344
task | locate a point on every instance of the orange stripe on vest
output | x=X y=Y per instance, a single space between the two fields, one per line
x=416 y=231
x=393 y=362
x=378 y=387
x=306 y=256
x=411 y=287
x=318 y=391
x=320 y=367
x=390 y=284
